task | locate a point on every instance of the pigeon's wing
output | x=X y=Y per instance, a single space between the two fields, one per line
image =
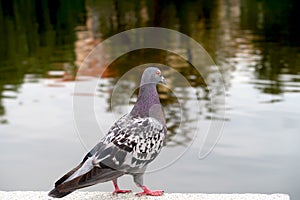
x=133 y=143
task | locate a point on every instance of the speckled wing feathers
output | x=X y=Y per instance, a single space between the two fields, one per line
x=140 y=139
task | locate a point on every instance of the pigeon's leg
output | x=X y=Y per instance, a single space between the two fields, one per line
x=117 y=189
x=138 y=179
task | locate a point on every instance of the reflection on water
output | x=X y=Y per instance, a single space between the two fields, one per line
x=255 y=43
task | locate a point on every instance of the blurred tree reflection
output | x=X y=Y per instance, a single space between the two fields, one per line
x=276 y=22
x=35 y=36
x=38 y=36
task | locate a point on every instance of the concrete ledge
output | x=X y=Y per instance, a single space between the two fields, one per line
x=29 y=195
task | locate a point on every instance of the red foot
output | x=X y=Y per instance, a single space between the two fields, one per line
x=150 y=193
x=117 y=191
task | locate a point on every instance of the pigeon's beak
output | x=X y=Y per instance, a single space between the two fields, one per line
x=163 y=80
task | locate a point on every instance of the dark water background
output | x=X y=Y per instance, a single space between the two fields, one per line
x=254 y=42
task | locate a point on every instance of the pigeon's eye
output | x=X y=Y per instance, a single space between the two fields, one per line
x=158 y=73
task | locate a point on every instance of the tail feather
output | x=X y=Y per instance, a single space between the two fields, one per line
x=67 y=175
x=94 y=176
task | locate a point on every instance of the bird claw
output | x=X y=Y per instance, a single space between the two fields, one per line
x=121 y=191
x=151 y=193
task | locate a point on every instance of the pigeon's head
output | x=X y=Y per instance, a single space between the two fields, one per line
x=152 y=75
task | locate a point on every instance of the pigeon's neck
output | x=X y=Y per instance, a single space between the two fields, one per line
x=148 y=104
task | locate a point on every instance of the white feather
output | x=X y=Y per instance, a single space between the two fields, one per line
x=87 y=166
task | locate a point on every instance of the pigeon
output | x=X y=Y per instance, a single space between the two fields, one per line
x=130 y=145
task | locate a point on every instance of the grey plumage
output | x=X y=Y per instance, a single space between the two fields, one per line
x=129 y=146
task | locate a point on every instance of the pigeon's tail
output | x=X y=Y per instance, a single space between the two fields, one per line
x=57 y=194
x=66 y=184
